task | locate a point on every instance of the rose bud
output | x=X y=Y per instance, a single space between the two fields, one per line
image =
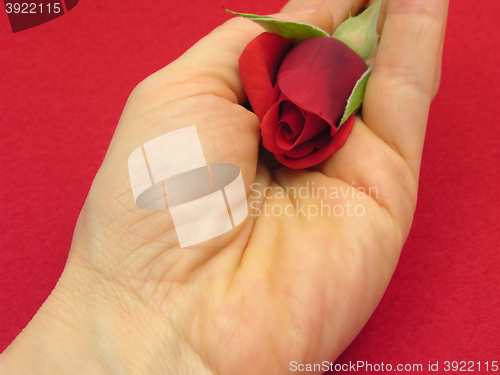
x=300 y=94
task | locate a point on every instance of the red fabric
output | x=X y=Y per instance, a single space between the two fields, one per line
x=63 y=86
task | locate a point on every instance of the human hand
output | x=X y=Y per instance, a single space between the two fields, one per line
x=277 y=288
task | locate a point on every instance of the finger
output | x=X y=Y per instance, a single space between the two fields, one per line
x=437 y=79
x=338 y=9
x=212 y=63
x=381 y=17
x=202 y=73
x=192 y=90
x=401 y=86
x=218 y=73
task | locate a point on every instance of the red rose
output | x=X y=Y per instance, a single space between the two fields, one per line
x=299 y=94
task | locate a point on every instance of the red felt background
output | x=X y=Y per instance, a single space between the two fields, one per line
x=63 y=86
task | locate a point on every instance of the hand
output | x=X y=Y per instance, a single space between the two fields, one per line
x=278 y=288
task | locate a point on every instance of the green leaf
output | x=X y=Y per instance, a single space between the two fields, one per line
x=296 y=31
x=357 y=95
x=360 y=32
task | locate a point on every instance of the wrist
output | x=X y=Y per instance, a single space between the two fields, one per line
x=60 y=339
x=82 y=329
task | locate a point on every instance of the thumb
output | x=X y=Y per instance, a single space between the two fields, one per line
x=200 y=88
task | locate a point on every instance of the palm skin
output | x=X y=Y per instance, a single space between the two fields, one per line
x=278 y=288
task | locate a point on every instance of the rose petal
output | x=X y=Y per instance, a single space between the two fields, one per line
x=304 y=149
x=333 y=130
x=287 y=132
x=290 y=125
x=315 y=133
x=259 y=63
x=281 y=140
x=319 y=155
x=269 y=127
x=319 y=75
x=314 y=125
x=293 y=116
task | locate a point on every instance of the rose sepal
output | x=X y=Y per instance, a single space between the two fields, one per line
x=360 y=32
x=296 y=31
x=357 y=96
x=305 y=100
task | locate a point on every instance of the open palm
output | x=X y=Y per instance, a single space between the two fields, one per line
x=288 y=284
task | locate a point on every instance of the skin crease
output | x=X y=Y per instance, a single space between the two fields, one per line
x=276 y=289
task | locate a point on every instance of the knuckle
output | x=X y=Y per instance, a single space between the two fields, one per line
x=418 y=8
x=403 y=76
x=238 y=25
x=140 y=90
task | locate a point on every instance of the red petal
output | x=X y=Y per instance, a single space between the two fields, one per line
x=319 y=75
x=281 y=138
x=314 y=125
x=293 y=116
x=314 y=134
x=303 y=149
x=269 y=127
x=259 y=63
x=287 y=131
x=321 y=154
x=291 y=124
